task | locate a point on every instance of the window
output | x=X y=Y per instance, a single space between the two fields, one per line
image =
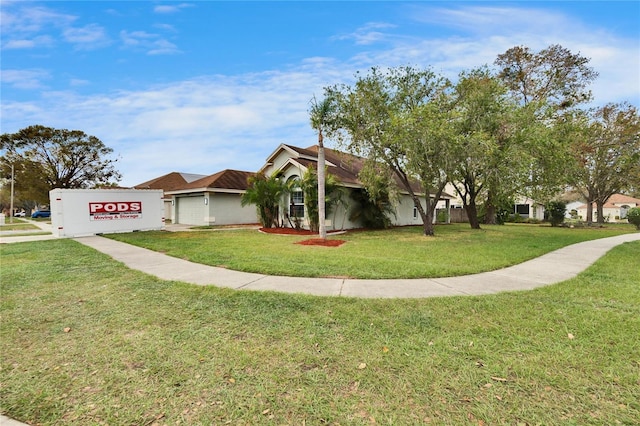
x=624 y=211
x=522 y=209
x=415 y=212
x=296 y=204
x=296 y=208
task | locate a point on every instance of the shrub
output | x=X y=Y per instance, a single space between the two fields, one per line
x=633 y=216
x=442 y=216
x=554 y=212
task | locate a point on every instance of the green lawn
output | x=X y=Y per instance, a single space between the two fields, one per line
x=17 y=225
x=396 y=253
x=84 y=340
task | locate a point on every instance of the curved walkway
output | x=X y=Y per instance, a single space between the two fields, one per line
x=559 y=265
x=550 y=268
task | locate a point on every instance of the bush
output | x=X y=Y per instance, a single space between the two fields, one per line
x=554 y=212
x=442 y=216
x=633 y=216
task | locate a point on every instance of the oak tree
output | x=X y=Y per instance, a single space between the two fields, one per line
x=45 y=158
x=400 y=118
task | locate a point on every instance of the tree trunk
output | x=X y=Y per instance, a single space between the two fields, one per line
x=589 y=212
x=427 y=224
x=472 y=213
x=490 y=216
x=322 y=229
x=600 y=212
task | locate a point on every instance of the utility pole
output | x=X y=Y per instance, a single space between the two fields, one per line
x=11 y=202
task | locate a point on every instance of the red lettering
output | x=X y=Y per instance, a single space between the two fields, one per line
x=95 y=207
x=115 y=207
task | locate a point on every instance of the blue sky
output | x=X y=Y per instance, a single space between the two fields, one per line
x=201 y=86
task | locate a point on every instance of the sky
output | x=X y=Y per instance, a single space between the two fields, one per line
x=203 y=86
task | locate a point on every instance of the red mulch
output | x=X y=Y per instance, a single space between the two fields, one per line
x=321 y=242
x=310 y=242
x=287 y=231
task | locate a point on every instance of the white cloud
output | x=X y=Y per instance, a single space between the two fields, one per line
x=173 y=8
x=25 y=79
x=89 y=37
x=29 y=43
x=370 y=33
x=23 y=18
x=152 y=44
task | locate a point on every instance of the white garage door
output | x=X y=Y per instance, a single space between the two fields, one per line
x=190 y=210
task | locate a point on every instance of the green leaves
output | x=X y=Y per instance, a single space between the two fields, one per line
x=47 y=158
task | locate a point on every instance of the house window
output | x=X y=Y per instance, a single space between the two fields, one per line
x=522 y=209
x=296 y=204
x=415 y=212
x=624 y=211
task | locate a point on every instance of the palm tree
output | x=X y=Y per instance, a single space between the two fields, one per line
x=266 y=193
x=320 y=113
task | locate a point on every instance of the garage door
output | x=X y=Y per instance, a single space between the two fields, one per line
x=190 y=210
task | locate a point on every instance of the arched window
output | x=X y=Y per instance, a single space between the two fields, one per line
x=624 y=210
x=296 y=200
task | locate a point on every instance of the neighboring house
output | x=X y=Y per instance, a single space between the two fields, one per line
x=571 y=208
x=524 y=207
x=614 y=210
x=213 y=200
x=292 y=162
x=528 y=209
x=169 y=182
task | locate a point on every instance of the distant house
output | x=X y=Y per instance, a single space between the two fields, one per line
x=169 y=182
x=572 y=209
x=528 y=209
x=524 y=207
x=213 y=200
x=292 y=162
x=614 y=210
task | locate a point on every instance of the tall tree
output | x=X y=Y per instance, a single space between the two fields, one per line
x=553 y=76
x=321 y=114
x=399 y=118
x=51 y=158
x=606 y=148
x=485 y=125
x=547 y=84
x=309 y=185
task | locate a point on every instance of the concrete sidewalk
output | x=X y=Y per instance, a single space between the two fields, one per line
x=553 y=267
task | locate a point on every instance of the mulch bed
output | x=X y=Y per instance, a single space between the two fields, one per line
x=309 y=242
x=287 y=231
x=321 y=242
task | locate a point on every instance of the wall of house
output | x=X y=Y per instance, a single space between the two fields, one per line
x=227 y=209
x=338 y=219
x=278 y=162
x=168 y=210
x=405 y=212
x=218 y=209
x=609 y=214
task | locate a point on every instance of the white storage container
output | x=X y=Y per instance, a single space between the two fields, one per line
x=81 y=212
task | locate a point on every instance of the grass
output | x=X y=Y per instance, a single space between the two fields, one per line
x=85 y=340
x=17 y=225
x=455 y=250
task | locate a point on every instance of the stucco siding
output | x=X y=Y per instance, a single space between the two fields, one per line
x=227 y=209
